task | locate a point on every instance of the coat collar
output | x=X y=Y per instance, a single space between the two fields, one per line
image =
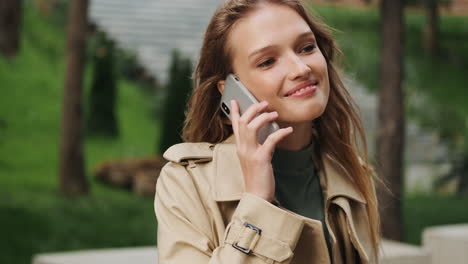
x=229 y=185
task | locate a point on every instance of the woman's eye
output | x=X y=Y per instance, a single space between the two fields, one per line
x=266 y=63
x=309 y=48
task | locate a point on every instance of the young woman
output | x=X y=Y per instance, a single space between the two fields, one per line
x=306 y=195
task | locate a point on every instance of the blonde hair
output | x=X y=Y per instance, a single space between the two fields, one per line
x=336 y=131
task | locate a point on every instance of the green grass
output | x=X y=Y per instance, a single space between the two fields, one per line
x=38 y=219
x=34 y=216
x=424 y=210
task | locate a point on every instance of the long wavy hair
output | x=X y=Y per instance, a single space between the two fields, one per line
x=336 y=131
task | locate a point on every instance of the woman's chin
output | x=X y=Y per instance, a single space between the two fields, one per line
x=298 y=117
x=301 y=113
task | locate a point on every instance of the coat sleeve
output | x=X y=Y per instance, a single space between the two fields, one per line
x=267 y=234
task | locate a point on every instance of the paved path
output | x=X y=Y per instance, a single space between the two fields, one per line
x=137 y=255
x=392 y=253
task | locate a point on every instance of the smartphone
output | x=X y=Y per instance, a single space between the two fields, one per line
x=235 y=90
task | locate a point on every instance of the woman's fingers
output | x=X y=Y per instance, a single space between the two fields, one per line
x=235 y=118
x=252 y=112
x=255 y=159
x=271 y=141
x=247 y=135
x=234 y=112
x=261 y=120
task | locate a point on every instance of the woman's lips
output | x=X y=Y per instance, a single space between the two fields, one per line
x=302 y=86
x=306 y=91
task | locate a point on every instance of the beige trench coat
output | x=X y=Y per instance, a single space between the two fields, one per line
x=204 y=215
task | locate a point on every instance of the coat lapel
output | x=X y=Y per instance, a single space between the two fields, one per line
x=228 y=181
x=338 y=182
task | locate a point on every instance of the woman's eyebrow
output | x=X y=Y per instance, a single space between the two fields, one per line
x=261 y=50
x=300 y=36
x=306 y=34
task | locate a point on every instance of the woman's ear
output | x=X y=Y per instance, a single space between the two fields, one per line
x=221 y=86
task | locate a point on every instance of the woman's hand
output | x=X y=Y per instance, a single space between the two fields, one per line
x=255 y=159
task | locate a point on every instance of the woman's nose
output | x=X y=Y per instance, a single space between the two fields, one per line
x=298 y=68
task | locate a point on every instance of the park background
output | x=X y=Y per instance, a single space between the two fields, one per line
x=38 y=214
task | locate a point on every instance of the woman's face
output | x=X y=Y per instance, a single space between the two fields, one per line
x=274 y=53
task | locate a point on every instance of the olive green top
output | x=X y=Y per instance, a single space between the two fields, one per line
x=297 y=184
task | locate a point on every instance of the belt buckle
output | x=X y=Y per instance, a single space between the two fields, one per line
x=256 y=229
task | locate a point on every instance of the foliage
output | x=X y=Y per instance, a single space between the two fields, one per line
x=434 y=89
x=178 y=89
x=34 y=216
x=459 y=172
x=128 y=66
x=37 y=220
x=424 y=210
x=101 y=116
x=423 y=2
x=433 y=85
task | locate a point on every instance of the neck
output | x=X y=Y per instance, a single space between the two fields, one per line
x=299 y=139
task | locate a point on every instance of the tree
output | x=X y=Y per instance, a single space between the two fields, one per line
x=101 y=118
x=431 y=31
x=72 y=173
x=449 y=122
x=10 y=18
x=458 y=171
x=390 y=134
x=178 y=89
x=431 y=41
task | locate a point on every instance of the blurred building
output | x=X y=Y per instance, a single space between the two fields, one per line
x=456 y=7
x=152 y=29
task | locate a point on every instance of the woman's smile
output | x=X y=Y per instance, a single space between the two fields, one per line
x=308 y=91
x=305 y=89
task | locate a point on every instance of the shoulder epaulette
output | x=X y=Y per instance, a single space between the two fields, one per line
x=183 y=152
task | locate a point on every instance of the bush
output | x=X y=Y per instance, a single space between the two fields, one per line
x=177 y=90
x=101 y=117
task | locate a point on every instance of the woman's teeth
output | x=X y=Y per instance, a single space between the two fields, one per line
x=302 y=90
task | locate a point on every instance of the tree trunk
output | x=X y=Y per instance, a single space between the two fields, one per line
x=10 y=18
x=431 y=28
x=390 y=134
x=72 y=174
